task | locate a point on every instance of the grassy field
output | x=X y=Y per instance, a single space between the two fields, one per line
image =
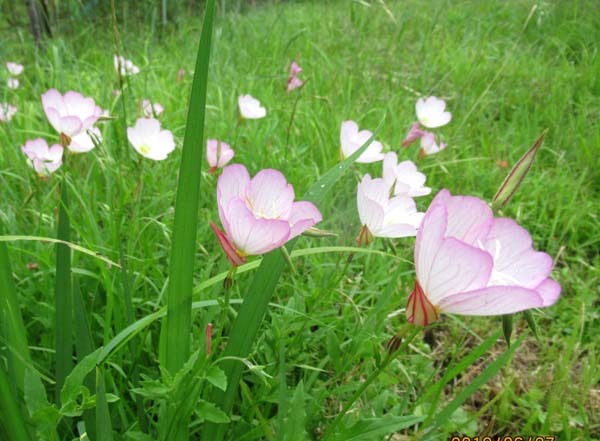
x=508 y=70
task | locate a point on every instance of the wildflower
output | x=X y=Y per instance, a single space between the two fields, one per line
x=351 y=140
x=429 y=146
x=43 y=159
x=218 y=154
x=413 y=134
x=382 y=216
x=85 y=141
x=404 y=178
x=12 y=83
x=468 y=262
x=258 y=214
x=150 y=109
x=125 y=67
x=70 y=114
x=293 y=81
x=14 y=68
x=180 y=75
x=250 y=107
x=7 y=111
x=149 y=140
x=431 y=112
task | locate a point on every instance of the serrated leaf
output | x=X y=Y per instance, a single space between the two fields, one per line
x=209 y=412
x=216 y=377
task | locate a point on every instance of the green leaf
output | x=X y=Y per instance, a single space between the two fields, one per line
x=11 y=418
x=103 y=422
x=295 y=427
x=507 y=327
x=376 y=428
x=183 y=249
x=216 y=377
x=247 y=323
x=531 y=323
x=515 y=177
x=73 y=386
x=209 y=412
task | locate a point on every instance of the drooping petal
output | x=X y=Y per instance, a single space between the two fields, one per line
x=413 y=134
x=251 y=235
x=269 y=195
x=494 y=300
x=304 y=215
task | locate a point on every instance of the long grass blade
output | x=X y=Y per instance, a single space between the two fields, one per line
x=14 y=330
x=103 y=424
x=11 y=419
x=62 y=295
x=247 y=323
x=183 y=250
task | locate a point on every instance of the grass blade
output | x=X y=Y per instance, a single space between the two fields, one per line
x=11 y=419
x=62 y=295
x=14 y=329
x=247 y=323
x=103 y=423
x=183 y=250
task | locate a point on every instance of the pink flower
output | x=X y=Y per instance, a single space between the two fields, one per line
x=85 y=141
x=431 y=112
x=250 y=107
x=12 y=83
x=405 y=179
x=180 y=75
x=44 y=160
x=413 y=134
x=293 y=81
x=149 y=140
x=125 y=67
x=469 y=262
x=429 y=146
x=351 y=140
x=7 y=111
x=70 y=114
x=14 y=68
x=218 y=154
x=258 y=214
x=151 y=110
x=382 y=216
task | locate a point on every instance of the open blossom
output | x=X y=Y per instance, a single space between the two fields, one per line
x=14 y=68
x=250 y=107
x=468 y=262
x=150 y=109
x=12 y=83
x=44 y=160
x=429 y=146
x=218 y=154
x=382 y=216
x=405 y=179
x=7 y=111
x=149 y=140
x=351 y=140
x=258 y=214
x=70 y=114
x=85 y=141
x=293 y=81
x=125 y=67
x=431 y=112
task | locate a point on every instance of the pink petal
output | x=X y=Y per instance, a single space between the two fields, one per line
x=495 y=300
x=70 y=125
x=254 y=236
x=231 y=184
x=469 y=218
x=413 y=134
x=304 y=215
x=549 y=290
x=53 y=117
x=52 y=99
x=270 y=195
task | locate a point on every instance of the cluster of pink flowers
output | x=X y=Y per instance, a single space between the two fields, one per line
x=431 y=113
x=8 y=110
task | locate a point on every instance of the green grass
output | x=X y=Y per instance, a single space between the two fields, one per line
x=327 y=325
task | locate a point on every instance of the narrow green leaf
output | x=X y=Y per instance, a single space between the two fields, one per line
x=74 y=382
x=295 y=427
x=485 y=376
x=507 y=327
x=183 y=250
x=13 y=328
x=63 y=314
x=11 y=419
x=103 y=423
x=44 y=415
x=531 y=322
x=247 y=323
x=515 y=177
x=376 y=428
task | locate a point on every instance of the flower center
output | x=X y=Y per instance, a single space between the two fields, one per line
x=144 y=149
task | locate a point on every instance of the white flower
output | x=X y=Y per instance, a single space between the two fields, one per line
x=7 y=111
x=43 y=159
x=351 y=140
x=14 y=68
x=85 y=141
x=429 y=145
x=125 y=67
x=151 y=110
x=12 y=83
x=404 y=177
x=149 y=140
x=430 y=112
x=250 y=107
